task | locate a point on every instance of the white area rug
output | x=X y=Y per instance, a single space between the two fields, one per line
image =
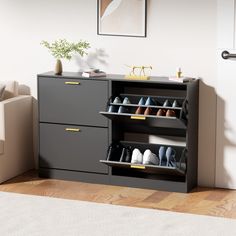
x=32 y=215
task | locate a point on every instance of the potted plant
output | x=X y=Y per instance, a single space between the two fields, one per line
x=62 y=49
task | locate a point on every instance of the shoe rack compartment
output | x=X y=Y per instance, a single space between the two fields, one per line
x=182 y=177
x=180 y=157
x=159 y=100
x=153 y=119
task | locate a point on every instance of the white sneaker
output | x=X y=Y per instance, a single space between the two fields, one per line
x=150 y=158
x=137 y=157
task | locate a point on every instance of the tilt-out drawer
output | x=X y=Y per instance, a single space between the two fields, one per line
x=72 y=101
x=75 y=148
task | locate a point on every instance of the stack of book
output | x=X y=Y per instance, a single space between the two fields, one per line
x=181 y=79
x=94 y=73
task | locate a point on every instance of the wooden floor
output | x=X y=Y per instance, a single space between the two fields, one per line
x=204 y=201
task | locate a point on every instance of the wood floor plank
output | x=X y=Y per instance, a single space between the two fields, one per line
x=204 y=201
x=216 y=195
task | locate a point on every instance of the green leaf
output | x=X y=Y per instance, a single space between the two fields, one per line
x=62 y=49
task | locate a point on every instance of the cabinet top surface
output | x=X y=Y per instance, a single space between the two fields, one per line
x=113 y=77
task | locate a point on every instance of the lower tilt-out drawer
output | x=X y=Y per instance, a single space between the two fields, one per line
x=76 y=148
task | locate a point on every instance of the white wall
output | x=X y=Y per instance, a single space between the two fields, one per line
x=180 y=33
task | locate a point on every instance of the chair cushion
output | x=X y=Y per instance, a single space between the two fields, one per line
x=2 y=90
x=11 y=89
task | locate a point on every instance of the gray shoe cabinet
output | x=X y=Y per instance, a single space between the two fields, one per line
x=76 y=129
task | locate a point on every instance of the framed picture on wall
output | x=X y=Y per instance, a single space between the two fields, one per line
x=122 y=17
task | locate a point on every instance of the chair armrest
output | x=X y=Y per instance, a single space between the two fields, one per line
x=10 y=109
x=1 y=147
x=16 y=132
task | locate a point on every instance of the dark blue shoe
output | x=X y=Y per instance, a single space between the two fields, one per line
x=123 y=109
x=112 y=109
x=162 y=156
x=166 y=103
x=126 y=101
x=149 y=102
x=170 y=156
x=141 y=102
x=117 y=100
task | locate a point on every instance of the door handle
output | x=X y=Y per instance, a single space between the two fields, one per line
x=226 y=55
x=138 y=117
x=72 y=130
x=72 y=83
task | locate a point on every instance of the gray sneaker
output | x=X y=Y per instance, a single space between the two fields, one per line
x=137 y=157
x=126 y=101
x=117 y=100
x=150 y=158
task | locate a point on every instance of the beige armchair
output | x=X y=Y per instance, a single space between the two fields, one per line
x=16 y=139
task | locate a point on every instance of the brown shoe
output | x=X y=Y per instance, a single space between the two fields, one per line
x=139 y=111
x=161 y=112
x=170 y=113
x=148 y=111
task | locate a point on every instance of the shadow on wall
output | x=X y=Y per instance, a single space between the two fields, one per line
x=214 y=139
x=94 y=59
x=207 y=135
x=223 y=142
x=35 y=132
x=25 y=90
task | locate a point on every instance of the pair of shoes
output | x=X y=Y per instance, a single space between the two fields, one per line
x=167 y=156
x=148 y=158
x=161 y=112
x=167 y=103
x=120 y=109
x=148 y=102
x=143 y=111
x=168 y=113
x=116 y=152
x=125 y=101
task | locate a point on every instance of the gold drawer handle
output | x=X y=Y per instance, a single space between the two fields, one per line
x=72 y=83
x=138 y=167
x=72 y=130
x=138 y=117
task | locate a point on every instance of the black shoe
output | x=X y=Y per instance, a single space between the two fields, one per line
x=126 y=155
x=114 y=152
x=123 y=154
